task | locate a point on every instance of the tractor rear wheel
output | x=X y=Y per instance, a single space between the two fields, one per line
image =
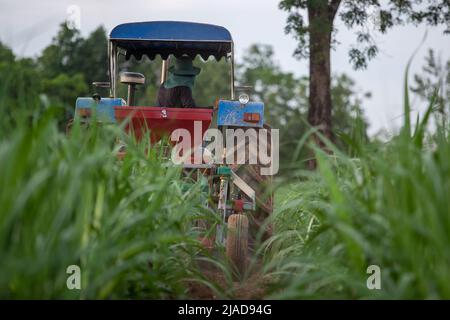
x=237 y=241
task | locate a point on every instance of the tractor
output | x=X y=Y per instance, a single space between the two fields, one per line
x=237 y=192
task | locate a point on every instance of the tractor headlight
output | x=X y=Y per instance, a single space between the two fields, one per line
x=244 y=98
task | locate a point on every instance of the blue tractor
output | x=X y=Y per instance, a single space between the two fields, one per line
x=237 y=192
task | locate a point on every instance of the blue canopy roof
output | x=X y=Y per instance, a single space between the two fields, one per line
x=172 y=37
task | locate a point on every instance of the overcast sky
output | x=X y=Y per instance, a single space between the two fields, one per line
x=28 y=26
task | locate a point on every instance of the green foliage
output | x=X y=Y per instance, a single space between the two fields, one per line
x=70 y=54
x=68 y=66
x=349 y=122
x=284 y=95
x=20 y=89
x=386 y=207
x=6 y=54
x=434 y=78
x=91 y=58
x=286 y=99
x=60 y=56
x=68 y=200
x=65 y=87
x=64 y=71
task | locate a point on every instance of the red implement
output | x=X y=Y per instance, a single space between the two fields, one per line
x=163 y=121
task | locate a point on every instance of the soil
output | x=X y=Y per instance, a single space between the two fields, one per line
x=253 y=287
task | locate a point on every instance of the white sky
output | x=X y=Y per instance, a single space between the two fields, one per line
x=28 y=26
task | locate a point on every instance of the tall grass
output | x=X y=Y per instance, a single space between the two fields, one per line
x=389 y=206
x=68 y=200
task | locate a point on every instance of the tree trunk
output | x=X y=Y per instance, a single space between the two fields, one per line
x=320 y=105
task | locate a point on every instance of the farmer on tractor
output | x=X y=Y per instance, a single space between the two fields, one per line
x=176 y=91
x=238 y=193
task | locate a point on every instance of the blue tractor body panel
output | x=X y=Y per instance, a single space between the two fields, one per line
x=233 y=113
x=103 y=109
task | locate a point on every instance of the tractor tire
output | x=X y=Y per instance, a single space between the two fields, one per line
x=237 y=242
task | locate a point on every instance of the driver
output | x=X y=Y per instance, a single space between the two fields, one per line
x=176 y=91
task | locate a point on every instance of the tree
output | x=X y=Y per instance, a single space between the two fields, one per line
x=91 y=58
x=61 y=55
x=64 y=88
x=283 y=94
x=6 y=54
x=75 y=56
x=212 y=82
x=151 y=69
x=20 y=89
x=315 y=34
x=286 y=101
x=349 y=123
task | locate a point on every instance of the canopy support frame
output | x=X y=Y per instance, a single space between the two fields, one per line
x=112 y=67
x=113 y=55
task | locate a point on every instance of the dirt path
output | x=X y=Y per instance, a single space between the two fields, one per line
x=253 y=287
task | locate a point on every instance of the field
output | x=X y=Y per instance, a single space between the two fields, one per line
x=67 y=200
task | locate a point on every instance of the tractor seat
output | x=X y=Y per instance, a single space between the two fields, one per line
x=132 y=78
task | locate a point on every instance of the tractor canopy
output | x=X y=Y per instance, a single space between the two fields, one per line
x=176 y=38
